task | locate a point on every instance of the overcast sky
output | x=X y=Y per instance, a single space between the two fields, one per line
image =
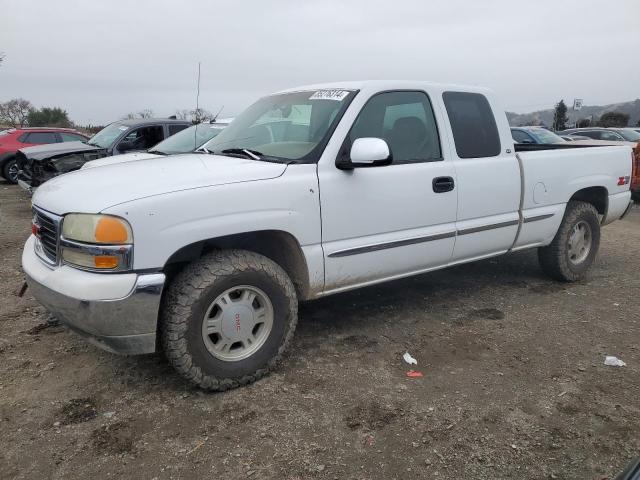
x=102 y=59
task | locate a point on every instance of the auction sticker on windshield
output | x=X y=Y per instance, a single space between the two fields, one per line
x=337 y=95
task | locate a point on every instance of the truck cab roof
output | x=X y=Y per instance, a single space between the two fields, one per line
x=150 y=121
x=382 y=85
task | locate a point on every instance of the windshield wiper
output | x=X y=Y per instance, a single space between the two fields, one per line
x=252 y=154
x=93 y=144
x=157 y=152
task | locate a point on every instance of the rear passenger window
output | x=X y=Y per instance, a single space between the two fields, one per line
x=475 y=132
x=41 y=137
x=173 y=129
x=405 y=121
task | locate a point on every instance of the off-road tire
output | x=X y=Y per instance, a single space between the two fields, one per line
x=554 y=258
x=5 y=170
x=187 y=298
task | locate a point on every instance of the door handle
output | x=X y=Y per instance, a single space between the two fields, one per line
x=443 y=184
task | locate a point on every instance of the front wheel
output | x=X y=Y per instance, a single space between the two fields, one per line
x=227 y=319
x=10 y=171
x=575 y=246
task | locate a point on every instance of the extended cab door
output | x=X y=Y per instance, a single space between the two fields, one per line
x=389 y=221
x=488 y=176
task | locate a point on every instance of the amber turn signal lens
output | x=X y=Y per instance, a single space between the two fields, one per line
x=105 y=261
x=111 y=230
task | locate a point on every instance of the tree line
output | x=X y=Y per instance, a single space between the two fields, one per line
x=607 y=119
x=196 y=115
x=19 y=112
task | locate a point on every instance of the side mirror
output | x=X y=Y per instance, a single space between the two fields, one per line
x=125 y=146
x=527 y=141
x=367 y=152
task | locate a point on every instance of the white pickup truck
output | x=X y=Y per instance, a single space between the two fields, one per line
x=309 y=192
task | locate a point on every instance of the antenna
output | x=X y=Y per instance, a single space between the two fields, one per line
x=198 y=92
x=195 y=130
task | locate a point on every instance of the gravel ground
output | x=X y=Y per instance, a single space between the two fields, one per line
x=514 y=383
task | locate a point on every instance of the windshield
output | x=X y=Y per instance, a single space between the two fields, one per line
x=630 y=135
x=105 y=137
x=189 y=139
x=285 y=127
x=545 y=136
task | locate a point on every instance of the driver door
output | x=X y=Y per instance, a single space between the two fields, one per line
x=389 y=221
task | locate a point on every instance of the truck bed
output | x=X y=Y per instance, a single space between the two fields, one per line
x=550 y=176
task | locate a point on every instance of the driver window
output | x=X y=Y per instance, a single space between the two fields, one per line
x=405 y=120
x=145 y=137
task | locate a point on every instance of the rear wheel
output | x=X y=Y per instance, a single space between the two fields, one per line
x=227 y=319
x=10 y=170
x=575 y=246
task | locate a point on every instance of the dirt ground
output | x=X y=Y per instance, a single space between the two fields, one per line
x=514 y=383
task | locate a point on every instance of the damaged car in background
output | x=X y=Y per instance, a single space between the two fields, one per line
x=38 y=164
x=14 y=139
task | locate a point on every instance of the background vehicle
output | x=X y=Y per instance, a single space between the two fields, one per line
x=573 y=138
x=309 y=192
x=38 y=164
x=535 y=135
x=184 y=141
x=15 y=138
x=610 y=134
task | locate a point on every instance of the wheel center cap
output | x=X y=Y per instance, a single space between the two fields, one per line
x=237 y=322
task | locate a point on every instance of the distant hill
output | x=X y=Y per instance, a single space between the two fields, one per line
x=545 y=117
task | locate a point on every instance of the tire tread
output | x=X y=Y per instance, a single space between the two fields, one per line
x=188 y=287
x=553 y=258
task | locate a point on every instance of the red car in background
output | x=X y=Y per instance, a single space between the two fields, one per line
x=16 y=138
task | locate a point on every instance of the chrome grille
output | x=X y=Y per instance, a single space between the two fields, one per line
x=47 y=235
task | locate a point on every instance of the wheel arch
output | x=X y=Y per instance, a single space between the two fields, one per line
x=280 y=246
x=6 y=157
x=596 y=196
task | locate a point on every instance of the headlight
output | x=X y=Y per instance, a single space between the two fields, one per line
x=101 y=229
x=96 y=242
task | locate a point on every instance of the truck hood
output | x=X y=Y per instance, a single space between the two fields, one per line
x=127 y=157
x=44 y=152
x=96 y=189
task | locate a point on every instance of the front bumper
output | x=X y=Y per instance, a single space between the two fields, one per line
x=26 y=187
x=117 y=312
x=626 y=212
